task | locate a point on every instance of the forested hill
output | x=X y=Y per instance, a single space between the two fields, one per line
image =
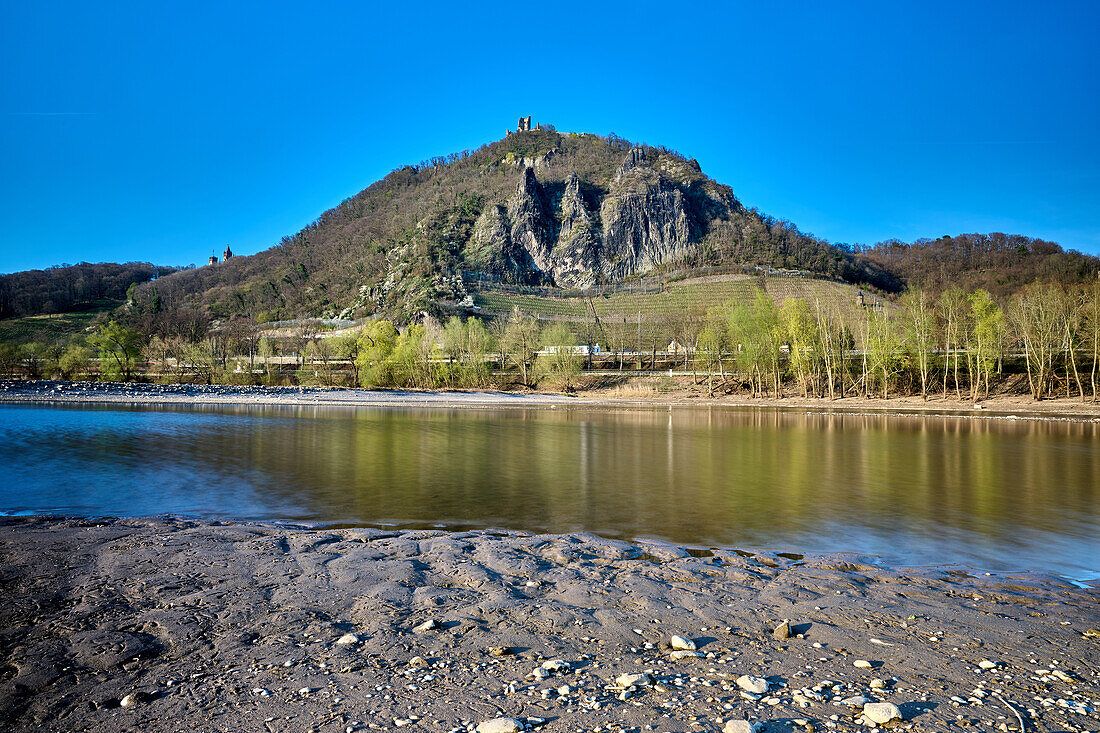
x=537 y=207
x=1000 y=263
x=71 y=287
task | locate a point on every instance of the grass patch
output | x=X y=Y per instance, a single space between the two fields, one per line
x=55 y=328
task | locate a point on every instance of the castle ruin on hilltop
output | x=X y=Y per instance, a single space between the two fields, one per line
x=524 y=126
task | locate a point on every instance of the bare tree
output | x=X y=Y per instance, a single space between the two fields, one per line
x=1034 y=316
x=951 y=309
x=921 y=333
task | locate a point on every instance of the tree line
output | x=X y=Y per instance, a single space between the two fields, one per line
x=455 y=354
x=955 y=343
x=999 y=263
x=71 y=287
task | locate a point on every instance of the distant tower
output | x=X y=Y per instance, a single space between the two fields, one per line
x=859 y=298
x=524 y=124
x=213 y=260
x=228 y=253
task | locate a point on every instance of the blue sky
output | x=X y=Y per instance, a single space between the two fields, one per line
x=162 y=131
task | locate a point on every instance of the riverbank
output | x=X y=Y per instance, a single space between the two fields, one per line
x=165 y=624
x=639 y=393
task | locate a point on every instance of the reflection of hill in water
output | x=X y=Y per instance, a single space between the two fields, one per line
x=914 y=489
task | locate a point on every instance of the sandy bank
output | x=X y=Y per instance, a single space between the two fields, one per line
x=208 y=626
x=997 y=407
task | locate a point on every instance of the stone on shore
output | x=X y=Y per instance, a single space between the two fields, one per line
x=881 y=712
x=429 y=625
x=862 y=664
x=500 y=725
x=739 y=726
x=556 y=666
x=755 y=685
x=783 y=630
x=683 y=654
x=679 y=643
x=348 y=639
x=634 y=679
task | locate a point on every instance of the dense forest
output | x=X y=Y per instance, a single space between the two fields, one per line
x=71 y=287
x=999 y=263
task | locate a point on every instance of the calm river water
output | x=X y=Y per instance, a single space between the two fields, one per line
x=994 y=494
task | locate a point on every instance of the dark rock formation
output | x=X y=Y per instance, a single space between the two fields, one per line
x=646 y=220
x=643 y=222
x=492 y=251
x=531 y=224
x=634 y=158
x=575 y=257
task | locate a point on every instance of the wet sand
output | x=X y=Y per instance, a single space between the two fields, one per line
x=163 y=624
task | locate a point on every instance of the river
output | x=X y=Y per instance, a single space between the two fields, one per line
x=992 y=494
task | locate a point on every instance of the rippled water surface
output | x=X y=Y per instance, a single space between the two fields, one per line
x=995 y=494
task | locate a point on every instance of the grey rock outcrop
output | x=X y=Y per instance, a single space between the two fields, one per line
x=530 y=221
x=491 y=248
x=575 y=257
x=634 y=158
x=644 y=220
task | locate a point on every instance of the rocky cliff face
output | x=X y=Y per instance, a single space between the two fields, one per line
x=491 y=248
x=642 y=221
x=531 y=222
x=575 y=257
x=645 y=220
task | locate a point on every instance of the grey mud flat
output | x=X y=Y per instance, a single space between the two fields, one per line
x=169 y=624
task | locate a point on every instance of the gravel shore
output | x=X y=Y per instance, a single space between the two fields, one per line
x=165 y=624
x=132 y=393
